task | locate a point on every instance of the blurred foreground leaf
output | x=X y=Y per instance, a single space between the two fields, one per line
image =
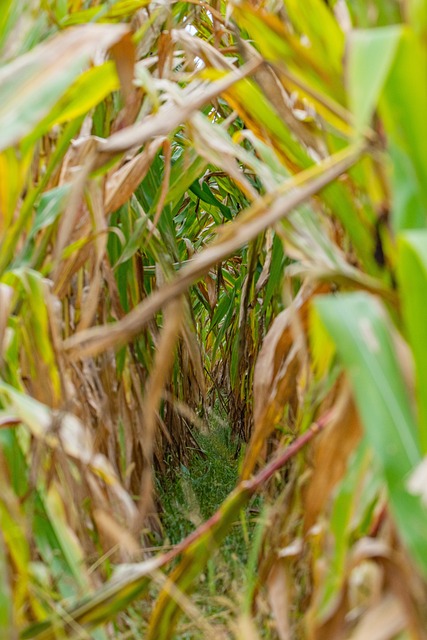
x=359 y=326
x=32 y=84
x=412 y=273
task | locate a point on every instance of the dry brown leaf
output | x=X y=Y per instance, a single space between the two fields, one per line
x=331 y=452
x=278 y=594
x=265 y=273
x=383 y=622
x=276 y=347
x=283 y=391
x=163 y=361
x=73 y=208
x=123 y=53
x=276 y=372
x=116 y=536
x=372 y=566
x=365 y=586
x=194 y=354
x=122 y=183
x=276 y=94
x=92 y=298
x=212 y=289
x=335 y=627
x=400 y=577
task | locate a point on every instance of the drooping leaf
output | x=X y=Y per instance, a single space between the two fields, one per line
x=87 y=91
x=32 y=84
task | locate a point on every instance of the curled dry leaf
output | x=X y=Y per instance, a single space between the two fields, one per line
x=97 y=257
x=283 y=391
x=73 y=211
x=123 y=182
x=334 y=628
x=399 y=577
x=381 y=597
x=275 y=349
x=195 y=368
x=265 y=273
x=365 y=585
x=272 y=88
x=123 y=53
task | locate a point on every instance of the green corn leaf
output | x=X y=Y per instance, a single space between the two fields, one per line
x=86 y=92
x=417 y=11
x=403 y=107
x=371 y=54
x=408 y=211
x=33 y=288
x=108 y=12
x=412 y=273
x=359 y=326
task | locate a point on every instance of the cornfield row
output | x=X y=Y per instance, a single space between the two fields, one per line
x=213 y=205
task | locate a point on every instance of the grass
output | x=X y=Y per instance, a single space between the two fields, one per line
x=192 y=496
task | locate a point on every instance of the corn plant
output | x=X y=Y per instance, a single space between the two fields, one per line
x=210 y=204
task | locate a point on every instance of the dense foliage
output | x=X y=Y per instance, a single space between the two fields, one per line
x=213 y=211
